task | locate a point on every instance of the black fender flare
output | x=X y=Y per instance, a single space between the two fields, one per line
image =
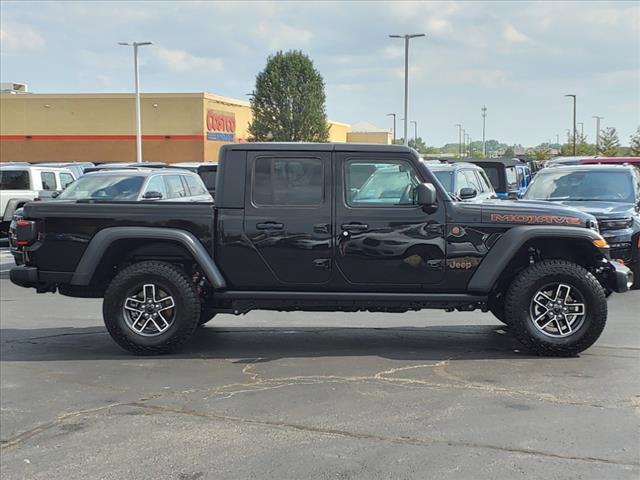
x=501 y=253
x=104 y=238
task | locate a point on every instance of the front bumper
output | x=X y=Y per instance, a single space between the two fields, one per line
x=619 y=278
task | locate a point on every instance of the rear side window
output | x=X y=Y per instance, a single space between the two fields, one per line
x=195 y=186
x=14 y=180
x=66 y=179
x=48 y=181
x=209 y=179
x=175 y=187
x=288 y=181
x=494 y=176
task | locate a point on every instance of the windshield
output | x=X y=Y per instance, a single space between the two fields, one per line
x=14 y=180
x=104 y=187
x=445 y=177
x=582 y=186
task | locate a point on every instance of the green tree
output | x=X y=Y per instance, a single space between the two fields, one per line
x=288 y=102
x=508 y=153
x=609 y=142
x=634 y=144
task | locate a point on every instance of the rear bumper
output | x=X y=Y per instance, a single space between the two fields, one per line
x=31 y=277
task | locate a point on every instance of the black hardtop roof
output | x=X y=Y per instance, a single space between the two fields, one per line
x=322 y=147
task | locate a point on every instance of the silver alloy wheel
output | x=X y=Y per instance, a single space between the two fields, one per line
x=557 y=310
x=149 y=312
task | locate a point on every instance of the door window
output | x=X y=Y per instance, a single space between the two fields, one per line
x=388 y=183
x=472 y=180
x=156 y=184
x=175 y=187
x=510 y=173
x=48 y=180
x=461 y=181
x=66 y=179
x=288 y=182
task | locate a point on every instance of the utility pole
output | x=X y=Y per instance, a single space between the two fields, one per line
x=598 y=133
x=135 y=46
x=406 y=37
x=558 y=140
x=581 y=129
x=484 y=117
x=572 y=95
x=394 y=126
x=415 y=134
x=459 y=139
x=468 y=145
x=464 y=143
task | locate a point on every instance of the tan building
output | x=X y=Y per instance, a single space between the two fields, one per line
x=367 y=133
x=176 y=127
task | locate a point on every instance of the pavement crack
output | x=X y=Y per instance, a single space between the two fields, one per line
x=404 y=440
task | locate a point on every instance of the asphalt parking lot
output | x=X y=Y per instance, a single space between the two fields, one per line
x=302 y=395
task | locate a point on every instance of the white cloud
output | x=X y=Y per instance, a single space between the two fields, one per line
x=182 y=61
x=512 y=35
x=279 y=36
x=16 y=37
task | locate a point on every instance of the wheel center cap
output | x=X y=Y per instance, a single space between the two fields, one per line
x=150 y=309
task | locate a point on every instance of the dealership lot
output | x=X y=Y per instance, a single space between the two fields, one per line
x=304 y=395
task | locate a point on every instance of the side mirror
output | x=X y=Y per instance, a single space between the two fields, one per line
x=426 y=195
x=152 y=195
x=55 y=194
x=467 y=193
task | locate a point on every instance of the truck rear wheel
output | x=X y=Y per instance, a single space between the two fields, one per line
x=556 y=308
x=151 y=308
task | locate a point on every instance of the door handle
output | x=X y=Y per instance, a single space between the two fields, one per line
x=354 y=227
x=270 y=226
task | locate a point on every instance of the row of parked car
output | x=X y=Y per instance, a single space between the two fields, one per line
x=606 y=187
x=150 y=181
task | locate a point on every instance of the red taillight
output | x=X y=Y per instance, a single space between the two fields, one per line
x=25 y=232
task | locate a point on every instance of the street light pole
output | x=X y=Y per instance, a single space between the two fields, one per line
x=415 y=134
x=484 y=117
x=464 y=143
x=406 y=37
x=598 y=133
x=468 y=145
x=581 y=129
x=394 y=126
x=572 y=95
x=135 y=46
x=459 y=139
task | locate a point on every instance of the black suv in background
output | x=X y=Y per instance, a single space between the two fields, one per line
x=611 y=193
x=208 y=172
x=464 y=181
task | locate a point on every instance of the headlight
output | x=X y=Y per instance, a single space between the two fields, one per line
x=617 y=223
x=593 y=225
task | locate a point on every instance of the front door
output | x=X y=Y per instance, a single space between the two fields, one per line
x=383 y=237
x=288 y=215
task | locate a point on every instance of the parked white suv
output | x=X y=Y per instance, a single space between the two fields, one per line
x=22 y=183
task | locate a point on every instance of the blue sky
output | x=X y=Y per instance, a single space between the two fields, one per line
x=518 y=58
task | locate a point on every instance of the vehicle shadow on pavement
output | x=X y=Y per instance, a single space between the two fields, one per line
x=410 y=343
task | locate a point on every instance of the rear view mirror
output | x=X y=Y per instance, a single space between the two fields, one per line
x=467 y=193
x=425 y=195
x=152 y=195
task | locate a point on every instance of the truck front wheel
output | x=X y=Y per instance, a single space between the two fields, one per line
x=556 y=308
x=151 y=308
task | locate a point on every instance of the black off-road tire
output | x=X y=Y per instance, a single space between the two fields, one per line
x=534 y=277
x=496 y=307
x=172 y=280
x=206 y=315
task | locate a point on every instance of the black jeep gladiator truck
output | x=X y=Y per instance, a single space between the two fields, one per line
x=322 y=227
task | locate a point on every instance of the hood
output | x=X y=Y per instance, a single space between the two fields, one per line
x=526 y=212
x=600 y=209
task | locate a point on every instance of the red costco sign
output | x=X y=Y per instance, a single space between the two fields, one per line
x=221 y=126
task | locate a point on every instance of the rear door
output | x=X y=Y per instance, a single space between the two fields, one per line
x=288 y=214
